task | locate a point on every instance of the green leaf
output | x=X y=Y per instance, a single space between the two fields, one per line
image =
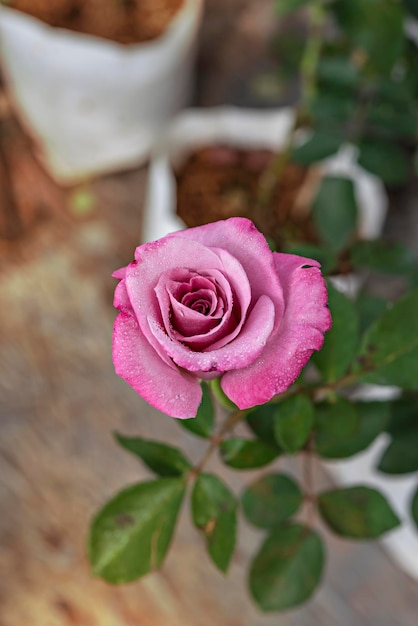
x=271 y=500
x=373 y=26
x=247 y=453
x=357 y=512
x=401 y=455
x=384 y=159
x=416 y=162
x=381 y=256
x=369 y=309
x=284 y=7
x=287 y=569
x=372 y=418
x=389 y=353
x=130 y=536
x=159 y=457
x=338 y=72
x=320 y=145
x=393 y=118
x=214 y=512
x=293 y=422
x=403 y=415
x=261 y=423
x=202 y=424
x=395 y=89
x=335 y=211
x=325 y=256
x=341 y=341
x=412 y=6
x=332 y=107
x=414 y=508
x=335 y=422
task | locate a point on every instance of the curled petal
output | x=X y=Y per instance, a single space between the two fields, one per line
x=247 y=245
x=188 y=326
x=242 y=351
x=121 y=299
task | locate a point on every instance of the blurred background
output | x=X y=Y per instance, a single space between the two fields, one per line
x=60 y=400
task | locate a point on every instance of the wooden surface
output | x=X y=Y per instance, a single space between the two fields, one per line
x=60 y=401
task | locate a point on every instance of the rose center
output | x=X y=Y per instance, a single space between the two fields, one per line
x=203 y=301
x=199 y=305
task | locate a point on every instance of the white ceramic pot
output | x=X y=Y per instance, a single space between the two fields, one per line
x=249 y=129
x=91 y=104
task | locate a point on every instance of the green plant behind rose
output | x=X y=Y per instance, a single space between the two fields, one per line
x=358 y=82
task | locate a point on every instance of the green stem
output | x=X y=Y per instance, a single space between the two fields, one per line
x=309 y=482
x=231 y=421
x=270 y=179
x=237 y=416
x=312 y=54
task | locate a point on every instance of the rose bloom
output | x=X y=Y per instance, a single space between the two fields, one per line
x=214 y=301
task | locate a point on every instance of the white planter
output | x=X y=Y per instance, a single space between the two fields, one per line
x=242 y=128
x=401 y=543
x=411 y=29
x=246 y=128
x=91 y=104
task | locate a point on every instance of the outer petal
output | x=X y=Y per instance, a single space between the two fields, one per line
x=121 y=299
x=305 y=320
x=141 y=367
x=120 y=273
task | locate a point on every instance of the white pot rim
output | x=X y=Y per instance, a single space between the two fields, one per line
x=248 y=128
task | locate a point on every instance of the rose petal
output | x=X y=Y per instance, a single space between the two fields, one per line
x=120 y=273
x=188 y=323
x=242 y=351
x=182 y=323
x=306 y=319
x=233 y=317
x=248 y=246
x=141 y=367
x=305 y=291
x=121 y=299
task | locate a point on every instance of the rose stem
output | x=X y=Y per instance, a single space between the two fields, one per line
x=231 y=421
x=308 y=481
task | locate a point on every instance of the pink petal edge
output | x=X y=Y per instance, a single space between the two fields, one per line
x=140 y=366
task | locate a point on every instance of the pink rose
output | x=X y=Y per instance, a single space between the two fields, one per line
x=215 y=301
